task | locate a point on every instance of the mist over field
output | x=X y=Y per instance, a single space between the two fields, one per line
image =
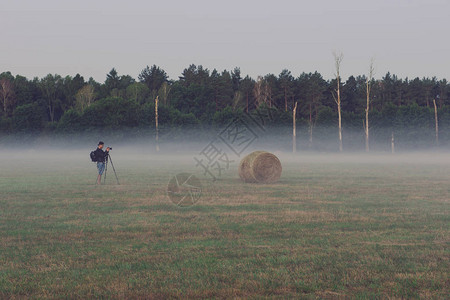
x=180 y=158
x=179 y=148
x=177 y=151
x=271 y=137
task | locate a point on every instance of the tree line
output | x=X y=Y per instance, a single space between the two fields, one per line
x=202 y=98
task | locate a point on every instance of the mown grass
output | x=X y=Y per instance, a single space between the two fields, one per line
x=326 y=230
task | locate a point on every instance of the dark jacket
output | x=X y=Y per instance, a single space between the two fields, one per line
x=101 y=155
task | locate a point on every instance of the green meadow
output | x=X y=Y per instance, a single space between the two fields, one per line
x=334 y=226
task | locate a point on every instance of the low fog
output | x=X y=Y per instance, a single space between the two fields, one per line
x=26 y=152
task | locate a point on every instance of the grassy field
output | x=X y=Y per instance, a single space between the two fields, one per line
x=333 y=227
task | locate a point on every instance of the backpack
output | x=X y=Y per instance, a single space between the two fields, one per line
x=93 y=156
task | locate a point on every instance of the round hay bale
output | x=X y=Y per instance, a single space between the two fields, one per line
x=260 y=166
x=245 y=167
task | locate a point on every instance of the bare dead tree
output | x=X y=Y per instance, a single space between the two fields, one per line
x=237 y=100
x=311 y=125
x=268 y=93
x=294 y=134
x=257 y=90
x=164 y=91
x=338 y=57
x=156 y=124
x=392 y=143
x=85 y=96
x=368 y=89
x=7 y=96
x=260 y=91
x=436 y=122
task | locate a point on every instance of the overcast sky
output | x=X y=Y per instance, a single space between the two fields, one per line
x=406 y=37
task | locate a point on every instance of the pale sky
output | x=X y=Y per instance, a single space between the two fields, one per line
x=406 y=37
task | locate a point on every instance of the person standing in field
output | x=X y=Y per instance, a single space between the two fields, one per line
x=101 y=157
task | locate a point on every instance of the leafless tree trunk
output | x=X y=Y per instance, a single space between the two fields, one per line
x=310 y=126
x=294 y=135
x=85 y=96
x=164 y=91
x=237 y=100
x=6 y=94
x=268 y=94
x=260 y=91
x=50 y=92
x=368 y=88
x=436 y=121
x=337 y=94
x=156 y=124
x=257 y=90
x=392 y=143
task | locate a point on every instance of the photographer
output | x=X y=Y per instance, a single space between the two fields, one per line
x=101 y=157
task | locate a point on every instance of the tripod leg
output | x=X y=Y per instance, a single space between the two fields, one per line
x=114 y=169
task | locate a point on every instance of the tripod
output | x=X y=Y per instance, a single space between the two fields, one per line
x=108 y=157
